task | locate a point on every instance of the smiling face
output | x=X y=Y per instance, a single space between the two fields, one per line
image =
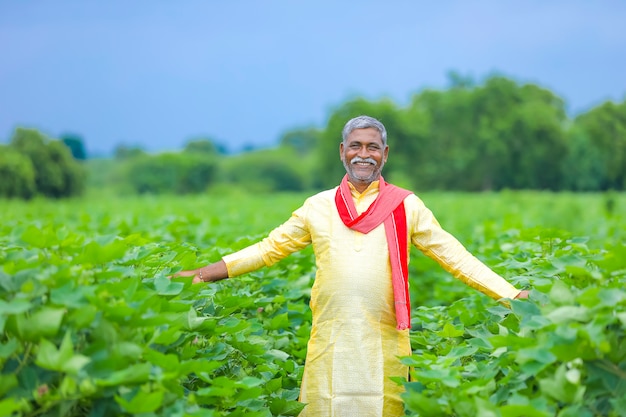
x=363 y=155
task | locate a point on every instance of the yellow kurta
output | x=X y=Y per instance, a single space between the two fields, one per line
x=354 y=346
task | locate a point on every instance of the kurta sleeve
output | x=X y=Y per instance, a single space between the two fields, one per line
x=428 y=236
x=291 y=236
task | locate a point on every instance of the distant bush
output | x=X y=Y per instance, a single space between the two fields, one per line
x=170 y=173
x=17 y=173
x=204 y=146
x=34 y=164
x=268 y=170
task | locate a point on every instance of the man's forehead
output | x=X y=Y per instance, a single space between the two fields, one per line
x=367 y=133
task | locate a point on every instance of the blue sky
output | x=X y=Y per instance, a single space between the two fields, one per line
x=157 y=73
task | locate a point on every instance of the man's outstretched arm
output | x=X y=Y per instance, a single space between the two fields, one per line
x=212 y=272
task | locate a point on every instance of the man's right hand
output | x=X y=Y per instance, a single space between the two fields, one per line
x=195 y=273
x=209 y=273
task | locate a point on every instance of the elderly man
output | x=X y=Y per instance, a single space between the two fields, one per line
x=361 y=233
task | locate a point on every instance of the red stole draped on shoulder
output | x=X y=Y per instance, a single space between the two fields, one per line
x=388 y=208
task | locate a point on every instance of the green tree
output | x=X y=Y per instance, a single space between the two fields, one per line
x=76 y=145
x=496 y=135
x=605 y=127
x=447 y=148
x=204 y=146
x=57 y=174
x=520 y=141
x=303 y=141
x=584 y=168
x=17 y=175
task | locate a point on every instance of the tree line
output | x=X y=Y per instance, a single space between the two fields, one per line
x=495 y=135
x=498 y=135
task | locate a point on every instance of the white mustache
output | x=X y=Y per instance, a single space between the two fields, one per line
x=367 y=160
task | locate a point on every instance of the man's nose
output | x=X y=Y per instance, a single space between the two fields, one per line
x=363 y=152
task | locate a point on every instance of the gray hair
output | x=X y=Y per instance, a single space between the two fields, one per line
x=364 y=122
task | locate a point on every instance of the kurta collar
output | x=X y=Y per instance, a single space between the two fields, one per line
x=373 y=188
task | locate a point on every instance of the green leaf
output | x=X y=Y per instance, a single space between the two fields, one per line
x=274 y=385
x=75 y=364
x=231 y=325
x=445 y=376
x=450 y=331
x=533 y=360
x=250 y=382
x=479 y=386
x=424 y=405
x=485 y=408
x=48 y=356
x=128 y=350
x=590 y=297
x=525 y=308
x=135 y=374
x=38 y=237
x=220 y=387
x=461 y=351
x=198 y=366
x=43 y=323
x=15 y=306
x=70 y=295
x=96 y=254
x=63 y=359
x=278 y=322
x=536 y=353
x=165 y=286
x=619 y=405
x=279 y=406
x=559 y=388
x=522 y=411
x=612 y=296
x=248 y=394
x=142 y=402
x=9 y=406
x=575 y=411
x=480 y=343
x=9 y=348
x=82 y=317
x=166 y=336
x=276 y=354
x=566 y=314
x=7 y=382
x=561 y=293
x=167 y=362
x=193 y=321
x=569 y=260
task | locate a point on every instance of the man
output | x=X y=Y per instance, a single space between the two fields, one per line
x=361 y=233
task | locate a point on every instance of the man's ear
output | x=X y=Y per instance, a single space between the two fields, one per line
x=341 y=150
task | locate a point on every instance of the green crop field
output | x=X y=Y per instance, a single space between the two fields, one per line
x=92 y=326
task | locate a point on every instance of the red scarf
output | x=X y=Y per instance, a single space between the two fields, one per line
x=388 y=208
